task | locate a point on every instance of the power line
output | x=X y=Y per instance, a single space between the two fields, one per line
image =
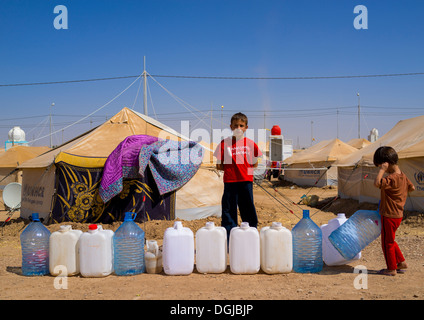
x=217 y=78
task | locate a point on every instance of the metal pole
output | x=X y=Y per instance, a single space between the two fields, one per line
x=145 y=87
x=359 y=117
x=51 y=142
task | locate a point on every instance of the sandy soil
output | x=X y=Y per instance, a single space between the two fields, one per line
x=332 y=283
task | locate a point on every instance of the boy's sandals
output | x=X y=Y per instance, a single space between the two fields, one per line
x=387 y=272
x=401 y=267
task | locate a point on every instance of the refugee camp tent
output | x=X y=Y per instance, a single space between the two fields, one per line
x=358 y=143
x=12 y=158
x=64 y=182
x=314 y=166
x=356 y=172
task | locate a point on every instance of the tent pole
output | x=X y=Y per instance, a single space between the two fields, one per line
x=145 y=87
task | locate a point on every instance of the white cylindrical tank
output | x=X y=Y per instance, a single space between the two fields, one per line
x=276 y=249
x=16 y=134
x=63 y=251
x=211 y=249
x=178 y=250
x=244 y=249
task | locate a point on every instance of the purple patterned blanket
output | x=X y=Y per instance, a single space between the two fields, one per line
x=122 y=163
x=171 y=163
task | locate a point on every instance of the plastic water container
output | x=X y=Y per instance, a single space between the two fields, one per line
x=244 y=249
x=35 y=248
x=276 y=249
x=330 y=255
x=307 y=246
x=95 y=252
x=153 y=257
x=178 y=250
x=64 y=251
x=362 y=228
x=211 y=249
x=128 y=248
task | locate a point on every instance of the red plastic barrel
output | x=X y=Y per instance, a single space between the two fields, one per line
x=276 y=131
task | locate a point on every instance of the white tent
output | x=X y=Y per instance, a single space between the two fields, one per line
x=356 y=173
x=314 y=166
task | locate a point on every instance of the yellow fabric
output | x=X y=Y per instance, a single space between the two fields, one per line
x=86 y=162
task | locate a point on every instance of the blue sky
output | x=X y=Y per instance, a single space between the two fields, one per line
x=257 y=39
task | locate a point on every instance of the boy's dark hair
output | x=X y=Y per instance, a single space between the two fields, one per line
x=239 y=116
x=385 y=154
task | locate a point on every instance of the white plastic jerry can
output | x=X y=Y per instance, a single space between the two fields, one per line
x=63 y=251
x=153 y=257
x=211 y=249
x=95 y=252
x=330 y=255
x=244 y=249
x=178 y=250
x=276 y=249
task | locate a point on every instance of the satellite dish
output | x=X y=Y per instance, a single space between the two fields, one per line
x=12 y=195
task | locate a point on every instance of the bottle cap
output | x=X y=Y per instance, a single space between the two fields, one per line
x=244 y=225
x=129 y=216
x=35 y=217
x=92 y=226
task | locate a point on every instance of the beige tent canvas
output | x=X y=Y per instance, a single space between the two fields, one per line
x=90 y=151
x=314 y=166
x=12 y=158
x=358 y=143
x=356 y=172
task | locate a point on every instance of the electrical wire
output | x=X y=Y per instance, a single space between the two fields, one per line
x=217 y=78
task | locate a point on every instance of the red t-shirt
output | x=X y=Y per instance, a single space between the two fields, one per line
x=238 y=157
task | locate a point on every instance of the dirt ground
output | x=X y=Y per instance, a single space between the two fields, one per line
x=332 y=283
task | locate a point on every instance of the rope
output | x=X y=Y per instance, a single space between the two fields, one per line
x=106 y=104
x=291 y=211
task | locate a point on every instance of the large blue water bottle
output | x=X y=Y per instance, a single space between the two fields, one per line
x=35 y=248
x=128 y=248
x=362 y=228
x=307 y=245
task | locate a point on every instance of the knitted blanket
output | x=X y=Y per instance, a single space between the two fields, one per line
x=172 y=163
x=122 y=163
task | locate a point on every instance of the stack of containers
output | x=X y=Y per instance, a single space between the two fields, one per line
x=330 y=255
x=363 y=227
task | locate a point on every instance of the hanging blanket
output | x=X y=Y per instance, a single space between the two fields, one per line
x=172 y=163
x=122 y=163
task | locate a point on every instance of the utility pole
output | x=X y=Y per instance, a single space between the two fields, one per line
x=145 y=88
x=359 y=116
x=51 y=142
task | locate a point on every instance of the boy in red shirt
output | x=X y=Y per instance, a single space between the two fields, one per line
x=394 y=192
x=237 y=157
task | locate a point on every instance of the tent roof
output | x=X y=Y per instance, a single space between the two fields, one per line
x=96 y=145
x=327 y=150
x=17 y=155
x=358 y=143
x=406 y=137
